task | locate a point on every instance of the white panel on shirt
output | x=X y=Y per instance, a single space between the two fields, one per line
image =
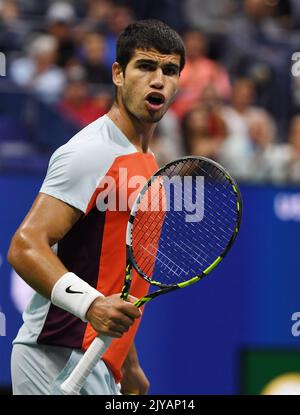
x=76 y=167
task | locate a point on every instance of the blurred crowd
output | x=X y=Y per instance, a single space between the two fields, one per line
x=238 y=101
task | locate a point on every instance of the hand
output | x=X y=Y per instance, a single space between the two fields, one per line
x=112 y=316
x=134 y=381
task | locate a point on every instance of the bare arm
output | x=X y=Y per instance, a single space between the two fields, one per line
x=30 y=254
x=134 y=379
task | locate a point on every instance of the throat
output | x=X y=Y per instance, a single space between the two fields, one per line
x=138 y=132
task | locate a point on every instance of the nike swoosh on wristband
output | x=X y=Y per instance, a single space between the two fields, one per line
x=73 y=292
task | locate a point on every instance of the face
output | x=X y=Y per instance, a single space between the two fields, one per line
x=261 y=131
x=198 y=122
x=195 y=45
x=149 y=84
x=259 y=8
x=243 y=93
x=94 y=47
x=76 y=91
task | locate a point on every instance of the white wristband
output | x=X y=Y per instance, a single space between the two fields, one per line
x=74 y=295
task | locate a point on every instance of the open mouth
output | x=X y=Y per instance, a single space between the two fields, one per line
x=155 y=99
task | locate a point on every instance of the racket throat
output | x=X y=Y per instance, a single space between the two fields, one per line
x=155 y=294
x=128 y=279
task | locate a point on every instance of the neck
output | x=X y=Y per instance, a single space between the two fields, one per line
x=139 y=133
x=240 y=108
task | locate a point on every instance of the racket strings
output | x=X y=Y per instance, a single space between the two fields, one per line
x=217 y=210
x=226 y=217
x=213 y=229
x=166 y=247
x=216 y=175
x=200 y=257
x=223 y=215
x=194 y=258
x=174 y=268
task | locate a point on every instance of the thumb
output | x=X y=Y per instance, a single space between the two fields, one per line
x=131 y=299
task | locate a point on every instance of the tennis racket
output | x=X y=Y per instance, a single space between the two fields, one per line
x=182 y=224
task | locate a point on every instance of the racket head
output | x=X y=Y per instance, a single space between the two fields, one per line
x=165 y=248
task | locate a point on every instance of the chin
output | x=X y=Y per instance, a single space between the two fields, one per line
x=152 y=117
x=155 y=118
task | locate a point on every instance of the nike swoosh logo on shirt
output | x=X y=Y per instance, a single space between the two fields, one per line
x=73 y=292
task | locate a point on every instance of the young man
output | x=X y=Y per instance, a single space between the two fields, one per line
x=71 y=251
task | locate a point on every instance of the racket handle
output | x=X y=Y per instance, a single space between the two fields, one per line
x=76 y=380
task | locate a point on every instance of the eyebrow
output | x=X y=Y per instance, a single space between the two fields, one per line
x=154 y=62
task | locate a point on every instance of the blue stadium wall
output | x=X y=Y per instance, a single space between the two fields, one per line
x=193 y=341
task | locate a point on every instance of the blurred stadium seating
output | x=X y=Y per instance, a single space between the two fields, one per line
x=238 y=103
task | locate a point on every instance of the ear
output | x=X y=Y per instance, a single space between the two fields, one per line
x=117 y=74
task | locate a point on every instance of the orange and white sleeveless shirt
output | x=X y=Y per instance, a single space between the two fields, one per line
x=95 y=248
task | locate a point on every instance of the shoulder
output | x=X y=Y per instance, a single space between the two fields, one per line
x=76 y=167
x=89 y=149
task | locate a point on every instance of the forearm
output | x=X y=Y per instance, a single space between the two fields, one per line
x=134 y=379
x=131 y=358
x=36 y=263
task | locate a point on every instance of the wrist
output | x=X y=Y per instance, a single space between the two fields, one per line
x=91 y=308
x=74 y=295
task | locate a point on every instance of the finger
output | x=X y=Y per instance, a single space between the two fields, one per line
x=114 y=333
x=132 y=299
x=119 y=327
x=124 y=320
x=131 y=311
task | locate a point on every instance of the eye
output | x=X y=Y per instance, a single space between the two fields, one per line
x=146 y=67
x=171 y=70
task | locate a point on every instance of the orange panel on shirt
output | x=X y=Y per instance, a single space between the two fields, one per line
x=113 y=253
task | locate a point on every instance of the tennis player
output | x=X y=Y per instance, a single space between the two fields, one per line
x=71 y=250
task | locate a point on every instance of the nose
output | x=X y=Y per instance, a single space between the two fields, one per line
x=157 y=79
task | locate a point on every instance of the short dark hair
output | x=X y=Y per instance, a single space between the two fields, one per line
x=149 y=34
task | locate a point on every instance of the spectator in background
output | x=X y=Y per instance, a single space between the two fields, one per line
x=13 y=29
x=212 y=102
x=204 y=132
x=198 y=72
x=211 y=16
x=169 y=11
x=119 y=17
x=167 y=144
x=92 y=59
x=103 y=98
x=34 y=8
x=38 y=71
x=259 y=47
x=98 y=12
x=263 y=161
x=241 y=104
x=290 y=153
x=295 y=13
x=76 y=104
x=238 y=146
x=60 y=18
x=268 y=161
x=283 y=13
